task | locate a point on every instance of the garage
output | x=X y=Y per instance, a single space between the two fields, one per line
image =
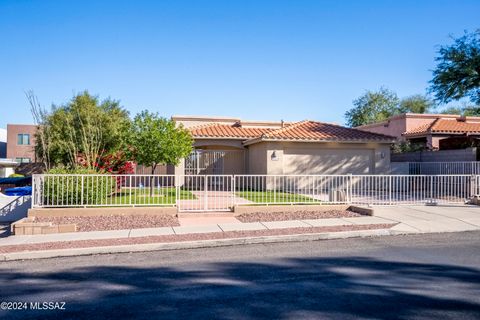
x=329 y=161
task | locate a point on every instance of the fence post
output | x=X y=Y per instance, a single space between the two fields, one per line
x=390 y=189
x=473 y=186
x=33 y=191
x=350 y=188
x=431 y=188
x=177 y=189
x=205 y=194
x=234 y=200
x=274 y=189
x=81 y=192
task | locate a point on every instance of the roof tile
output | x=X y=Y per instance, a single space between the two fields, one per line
x=446 y=126
x=302 y=131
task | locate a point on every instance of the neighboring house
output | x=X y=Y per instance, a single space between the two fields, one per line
x=7 y=167
x=435 y=131
x=3 y=143
x=234 y=146
x=21 y=142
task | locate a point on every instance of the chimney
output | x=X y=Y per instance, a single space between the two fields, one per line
x=282 y=123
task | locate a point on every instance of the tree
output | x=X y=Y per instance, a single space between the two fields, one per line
x=375 y=106
x=83 y=129
x=416 y=104
x=155 y=140
x=372 y=107
x=457 y=74
x=42 y=147
x=464 y=110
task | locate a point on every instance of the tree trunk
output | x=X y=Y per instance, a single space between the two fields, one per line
x=154 y=166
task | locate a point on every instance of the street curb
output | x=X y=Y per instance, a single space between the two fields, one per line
x=43 y=254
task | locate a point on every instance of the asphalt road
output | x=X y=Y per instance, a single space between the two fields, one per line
x=401 y=277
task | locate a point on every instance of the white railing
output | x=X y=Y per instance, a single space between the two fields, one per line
x=222 y=192
x=73 y=190
x=458 y=167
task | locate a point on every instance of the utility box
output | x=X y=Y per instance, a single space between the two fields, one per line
x=336 y=195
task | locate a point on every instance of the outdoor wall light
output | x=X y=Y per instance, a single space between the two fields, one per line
x=274 y=156
x=382 y=155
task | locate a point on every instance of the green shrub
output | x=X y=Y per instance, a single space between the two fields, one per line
x=77 y=187
x=16 y=175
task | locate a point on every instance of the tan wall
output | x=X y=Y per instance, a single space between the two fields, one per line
x=88 y=212
x=257 y=158
x=20 y=151
x=327 y=158
x=394 y=127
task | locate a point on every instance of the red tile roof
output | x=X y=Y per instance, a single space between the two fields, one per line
x=299 y=131
x=446 y=126
x=215 y=130
x=320 y=131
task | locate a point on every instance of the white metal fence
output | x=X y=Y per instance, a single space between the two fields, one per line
x=222 y=192
x=458 y=167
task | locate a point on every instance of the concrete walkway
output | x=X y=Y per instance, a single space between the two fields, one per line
x=222 y=225
x=427 y=219
x=410 y=219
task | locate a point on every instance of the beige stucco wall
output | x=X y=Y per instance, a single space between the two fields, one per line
x=319 y=158
x=393 y=127
x=257 y=158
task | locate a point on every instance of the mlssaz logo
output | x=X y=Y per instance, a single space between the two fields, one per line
x=47 y=305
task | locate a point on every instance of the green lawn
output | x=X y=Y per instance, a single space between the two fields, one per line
x=275 y=197
x=162 y=196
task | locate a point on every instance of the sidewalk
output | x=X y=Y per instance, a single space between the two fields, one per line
x=200 y=231
x=193 y=227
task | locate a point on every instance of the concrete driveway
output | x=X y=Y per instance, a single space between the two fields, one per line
x=424 y=219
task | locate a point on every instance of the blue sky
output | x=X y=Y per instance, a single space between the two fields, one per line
x=262 y=60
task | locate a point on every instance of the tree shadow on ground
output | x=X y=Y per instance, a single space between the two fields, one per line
x=343 y=288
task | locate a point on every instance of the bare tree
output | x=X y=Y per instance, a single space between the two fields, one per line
x=39 y=114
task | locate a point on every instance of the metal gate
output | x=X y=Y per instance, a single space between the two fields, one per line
x=205 y=193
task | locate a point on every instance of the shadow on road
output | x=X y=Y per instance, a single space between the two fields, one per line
x=286 y=288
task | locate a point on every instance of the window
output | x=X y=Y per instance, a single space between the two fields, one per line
x=23 y=139
x=23 y=160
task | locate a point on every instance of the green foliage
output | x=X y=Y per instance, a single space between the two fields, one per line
x=372 y=107
x=67 y=188
x=465 y=110
x=83 y=127
x=16 y=175
x=376 y=106
x=415 y=104
x=406 y=146
x=457 y=74
x=155 y=140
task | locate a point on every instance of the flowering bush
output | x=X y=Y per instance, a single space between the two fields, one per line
x=115 y=162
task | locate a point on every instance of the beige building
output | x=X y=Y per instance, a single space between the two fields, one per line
x=435 y=131
x=235 y=146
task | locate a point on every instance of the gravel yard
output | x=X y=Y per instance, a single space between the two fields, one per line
x=184 y=237
x=114 y=222
x=295 y=215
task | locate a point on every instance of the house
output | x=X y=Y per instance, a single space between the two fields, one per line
x=434 y=131
x=21 y=142
x=235 y=146
x=3 y=143
x=7 y=167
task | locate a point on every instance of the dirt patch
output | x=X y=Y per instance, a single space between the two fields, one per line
x=185 y=237
x=114 y=222
x=295 y=215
